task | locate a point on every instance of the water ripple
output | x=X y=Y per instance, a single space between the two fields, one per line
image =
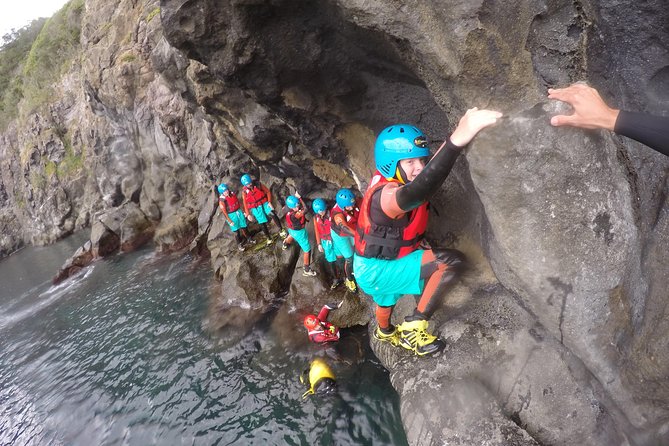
x=119 y=355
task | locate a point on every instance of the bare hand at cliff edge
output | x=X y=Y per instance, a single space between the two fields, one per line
x=590 y=110
x=471 y=123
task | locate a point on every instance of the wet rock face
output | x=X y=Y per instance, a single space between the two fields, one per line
x=560 y=339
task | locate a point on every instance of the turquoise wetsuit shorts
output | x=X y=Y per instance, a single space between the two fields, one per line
x=343 y=246
x=238 y=220
x=328 y=250
x=261 y=212
x=388 y=280
x=301 y=237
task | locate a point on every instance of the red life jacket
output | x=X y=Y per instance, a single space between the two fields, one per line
x=379 y=236
x=351 y=218
x=327 y=333
x=322 y=225
x=231 y=202
x=295 y=222
x=254 y=196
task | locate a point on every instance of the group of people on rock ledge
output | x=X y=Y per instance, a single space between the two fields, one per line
x=378 y=241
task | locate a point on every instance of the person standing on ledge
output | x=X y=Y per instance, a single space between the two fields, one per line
x=230 y=207
x=388 y=262
x=591 y=112
x=257 y=200
x=296 y=221
x=343 y=221
x=322 y=231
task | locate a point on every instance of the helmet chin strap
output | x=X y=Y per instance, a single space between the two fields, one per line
x=400 y=175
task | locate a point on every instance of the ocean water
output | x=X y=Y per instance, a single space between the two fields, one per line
x=123 y=353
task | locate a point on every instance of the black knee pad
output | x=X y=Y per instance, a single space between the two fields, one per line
x=454 y=259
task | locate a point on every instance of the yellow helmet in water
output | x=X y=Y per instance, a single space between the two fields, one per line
x=319 y=378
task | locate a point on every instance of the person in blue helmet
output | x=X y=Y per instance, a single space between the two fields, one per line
x=257 y=200
x=230 y=207
x=344 y=217
x=389 y=261
x=296 y=221
x=322 y=231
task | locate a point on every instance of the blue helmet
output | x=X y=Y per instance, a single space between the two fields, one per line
x=345 y=198
x=222 y=188
x=292 y=202
x=398 y=142
x=246 y=179
x=319 y=205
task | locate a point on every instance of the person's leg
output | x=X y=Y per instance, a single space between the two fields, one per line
x=265 y=230
x=439 y=268
x=240 y=240
x=348 y=271
x=302 y=238
x=269 y=212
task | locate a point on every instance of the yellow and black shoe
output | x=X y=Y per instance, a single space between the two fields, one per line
x=393 y=337
x=350 y=284
x=414 y=337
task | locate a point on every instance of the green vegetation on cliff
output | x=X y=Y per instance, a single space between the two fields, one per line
x=34 y=58
x=13 y=54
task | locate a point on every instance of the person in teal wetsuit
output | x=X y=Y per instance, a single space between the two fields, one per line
x=296 y=221
x=230 y=207
x=344 y=217
x=323 y=233
x=257 y=200
x=389 y=261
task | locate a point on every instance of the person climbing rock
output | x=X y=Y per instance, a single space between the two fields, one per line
x=230 y=207
x=296 y=221
x=319 y=379
x=344 y=217
x=388 y=261
x=319 y=329
x=257 y=200
x=591 y=112
x=322 y=232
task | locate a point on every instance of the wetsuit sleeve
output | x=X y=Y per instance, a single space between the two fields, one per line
x=430 y=179
x=650 y=130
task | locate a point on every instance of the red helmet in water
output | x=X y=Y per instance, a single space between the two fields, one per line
x=311 y=322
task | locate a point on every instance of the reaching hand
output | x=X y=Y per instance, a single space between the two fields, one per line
x=473 y=121
x=297 y=195
x=320 y=248
x=590 y=110
x=271 y=208
x=249 y=217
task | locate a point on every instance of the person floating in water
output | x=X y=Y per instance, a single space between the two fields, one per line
x=591 y=112
x=257 y=200
x=344 y=217
x=296 y=221
x=230 y=207
x=322 y=232
x=319 y=379
x=393 y=218
x=319 y=329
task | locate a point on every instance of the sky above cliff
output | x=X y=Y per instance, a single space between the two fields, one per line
x=19 y=14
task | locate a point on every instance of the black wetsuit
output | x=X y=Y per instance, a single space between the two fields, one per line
x=650 y=130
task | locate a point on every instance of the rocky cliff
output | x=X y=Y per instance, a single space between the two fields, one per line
x=557 y=334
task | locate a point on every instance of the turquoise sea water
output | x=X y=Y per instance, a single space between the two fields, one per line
x=122 y=354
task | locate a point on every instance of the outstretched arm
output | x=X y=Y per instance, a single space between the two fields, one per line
x=397 y=200
x=591 y=112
